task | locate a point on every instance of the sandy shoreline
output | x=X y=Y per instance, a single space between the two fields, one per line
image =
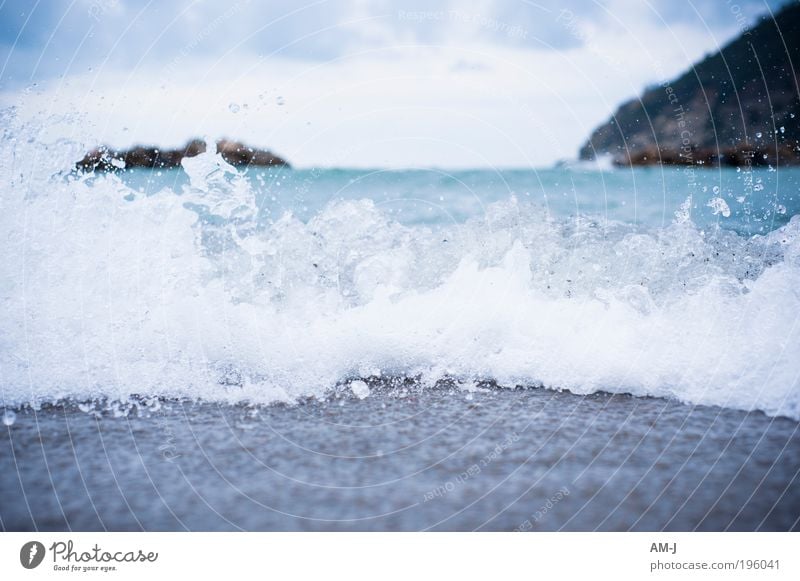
x=434 y=460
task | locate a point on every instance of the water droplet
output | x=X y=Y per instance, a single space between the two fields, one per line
x=781 y=209
x=719 y=206
x=9 y=418
x=783 y=129
x=280 y=101
x=758 y=135
x=359 y=388
x=233 y=108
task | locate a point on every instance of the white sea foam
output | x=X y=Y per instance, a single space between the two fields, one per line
x=184 y=294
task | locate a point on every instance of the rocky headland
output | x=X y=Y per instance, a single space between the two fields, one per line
x=737 y=107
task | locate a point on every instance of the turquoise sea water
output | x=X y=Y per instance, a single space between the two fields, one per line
x=758 y=199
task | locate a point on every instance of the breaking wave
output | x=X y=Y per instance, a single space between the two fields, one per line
x=190 y=293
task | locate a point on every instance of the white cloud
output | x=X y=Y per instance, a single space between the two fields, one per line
x=455 y=90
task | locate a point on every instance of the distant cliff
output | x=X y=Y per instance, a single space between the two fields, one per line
x=234 y=152
x=739 y=106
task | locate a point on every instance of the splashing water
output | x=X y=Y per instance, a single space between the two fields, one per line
x=9 y=417
x=188 y=293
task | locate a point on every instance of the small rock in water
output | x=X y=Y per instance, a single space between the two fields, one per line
x=9 y=418
x=359 y=389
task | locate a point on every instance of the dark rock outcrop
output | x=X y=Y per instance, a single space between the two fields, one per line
x=234 y=152
x=737 y=107
x=238 y=154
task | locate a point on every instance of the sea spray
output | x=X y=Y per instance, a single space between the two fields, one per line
x=188 y=293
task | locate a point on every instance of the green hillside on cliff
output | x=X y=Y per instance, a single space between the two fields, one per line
x=735 y=107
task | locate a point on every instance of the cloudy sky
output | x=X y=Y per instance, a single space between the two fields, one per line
x=355 y=83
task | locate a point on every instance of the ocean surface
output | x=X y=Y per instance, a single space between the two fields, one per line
x=213 y=348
